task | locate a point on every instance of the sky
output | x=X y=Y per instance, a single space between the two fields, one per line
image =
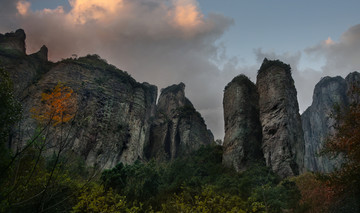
x=203 y=43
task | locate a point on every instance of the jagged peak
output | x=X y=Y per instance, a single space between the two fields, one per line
x=269 y=63
x=175 y=88
x=353 y=77
x=241 y=80
x=42 y=54
x=327 y=79
x=13 y=40
x=19 y=33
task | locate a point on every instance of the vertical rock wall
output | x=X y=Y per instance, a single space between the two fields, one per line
x=242 y=142
x=178 y=128
x=317 y=122
x=283 y=142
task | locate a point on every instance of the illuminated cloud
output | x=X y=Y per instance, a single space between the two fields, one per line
x=341 y=56
x=58 y=10
x=186 y=14
x=23 y=7
x=94 y=10
x=329 y=41
x=162 y=42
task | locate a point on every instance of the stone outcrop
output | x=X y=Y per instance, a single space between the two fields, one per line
x=113 y=121
x=243 y=133
x=178 y=128
x=117 y=119
x=42 y=54
x=24 y=69
x=283 y=142
x=317 y=122
x=13 y=41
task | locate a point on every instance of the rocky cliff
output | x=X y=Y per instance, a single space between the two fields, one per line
x=283 y=141
x=317 y=123
x=14 y=41
x=117 y=119
x=243 y=133
x=112 y=123
x=178 y=128
x=24 y=69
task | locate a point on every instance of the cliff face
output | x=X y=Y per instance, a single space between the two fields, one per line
x=317 y=123
x=112 y=123
x=23 y=69
x=117 y=119
x=178 y=128
x=242 y=142
x=283 y=142
x=13 y=41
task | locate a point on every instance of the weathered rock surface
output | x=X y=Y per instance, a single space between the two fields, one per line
x=178 y=128
x=23 y=69
x=317 y=123
x=113 y=122
x=115 y=113
x=283 y=140
x=13 y=41
x=243 y=133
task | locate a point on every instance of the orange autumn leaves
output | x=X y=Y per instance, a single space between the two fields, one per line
x=57 y=107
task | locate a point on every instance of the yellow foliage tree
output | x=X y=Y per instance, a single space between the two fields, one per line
x=58 y=106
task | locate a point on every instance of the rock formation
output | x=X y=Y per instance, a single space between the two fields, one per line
x=42 y=54
x=13 y=41
x=283 y=142
x=242 y=142
x=178 y=128
x=115 y=113
x=317 y=123
x=24 y=69
x=113 y=121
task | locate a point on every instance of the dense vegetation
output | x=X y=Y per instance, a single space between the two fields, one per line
x=32 y=180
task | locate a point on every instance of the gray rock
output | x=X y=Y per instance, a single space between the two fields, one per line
x=24 y=70
x=114 y=114
x=13 y=41
x=178 y=128
x=242 y=141
x=283 y=142
x=318 y=124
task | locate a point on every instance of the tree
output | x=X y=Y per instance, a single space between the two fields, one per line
x=58 y=106
x=207 y=200
x=95 y=199
x=346 y=142
x=316 y=195
x=10 y=108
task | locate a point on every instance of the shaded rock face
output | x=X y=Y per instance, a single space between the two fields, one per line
x=283 y=141
x=24 y=69
x=42 y=54
x=178 y=128
x=243 y=133
x=317 y=123
x=13 y=41
x=113 y=120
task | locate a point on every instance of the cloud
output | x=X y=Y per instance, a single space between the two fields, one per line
x=159 y=41
x=165 y=42
x=7 y=15
x=341 y=57
x=23 y=7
